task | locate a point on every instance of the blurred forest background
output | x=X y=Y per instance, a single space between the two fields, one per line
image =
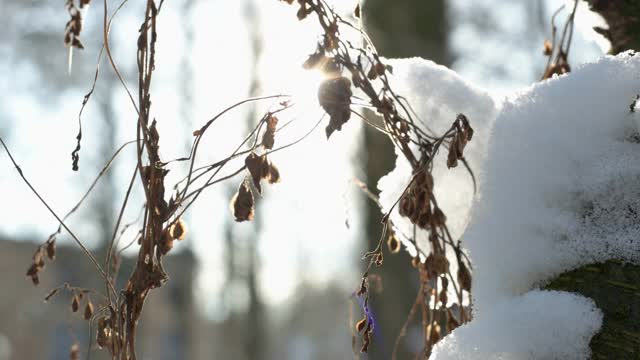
x=281 y=287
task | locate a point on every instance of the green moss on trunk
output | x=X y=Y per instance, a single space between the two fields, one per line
x=615 y=287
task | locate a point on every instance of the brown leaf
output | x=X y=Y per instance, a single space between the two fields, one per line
x=242 y=203
x=255 y=165
x=464 y=277
x=51 y=249
x=274 y=174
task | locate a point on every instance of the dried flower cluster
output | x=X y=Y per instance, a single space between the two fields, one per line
x=44 y=251
x=74 y=25
x=351 y=69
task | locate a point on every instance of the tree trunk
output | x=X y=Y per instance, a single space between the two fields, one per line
x=613 y=285
x=623 y=18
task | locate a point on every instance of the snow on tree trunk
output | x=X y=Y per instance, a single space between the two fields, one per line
x=558 y=173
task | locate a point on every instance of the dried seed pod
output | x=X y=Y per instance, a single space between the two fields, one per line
x=33 y=270
x=242 y=204
x=51 y=249
x=547 y=49
x=38 y=258
x=379 y=259
x=437 y=264
x=434 y=333
x=443 y=297
x=452 y=157
x=104 y=335
x=464 y=277
x=452 y=322
x=274 y=174
x=74 y=352
x=166 y=243
x=438 y=217
x=372 y=74
x=35 y=279
x=178 y=230
x=445 y=282
x=361 y=324
x=380 y=68
x=393 y=244
x=88 y=310
x=415 y=262
x=75 y=303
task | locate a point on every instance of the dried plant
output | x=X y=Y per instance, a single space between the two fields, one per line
x=360 y=68
x=350 y=70
x=556 y=51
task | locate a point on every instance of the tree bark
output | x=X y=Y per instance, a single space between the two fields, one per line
x=613 y=285
x=623 y=18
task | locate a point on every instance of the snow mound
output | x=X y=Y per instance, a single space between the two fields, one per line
x=558 y=172
x=561 y=184
x=437 y=95
x=536 y=325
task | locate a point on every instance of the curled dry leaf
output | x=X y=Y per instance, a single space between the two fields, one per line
x=334 y=95
x=243 y=203
x=256 y=164
x=166 y=244
x=268 y=138
x=51 y=249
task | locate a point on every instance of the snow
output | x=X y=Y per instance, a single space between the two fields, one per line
x=558 y=183
x=536 y=325
x=437 y=95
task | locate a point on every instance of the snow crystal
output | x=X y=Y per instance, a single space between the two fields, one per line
x=558 y=187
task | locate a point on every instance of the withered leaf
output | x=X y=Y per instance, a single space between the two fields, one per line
x=268 y=138
x=334 y=95
x=243 y=203
x=274 y=174
x=255 y=164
